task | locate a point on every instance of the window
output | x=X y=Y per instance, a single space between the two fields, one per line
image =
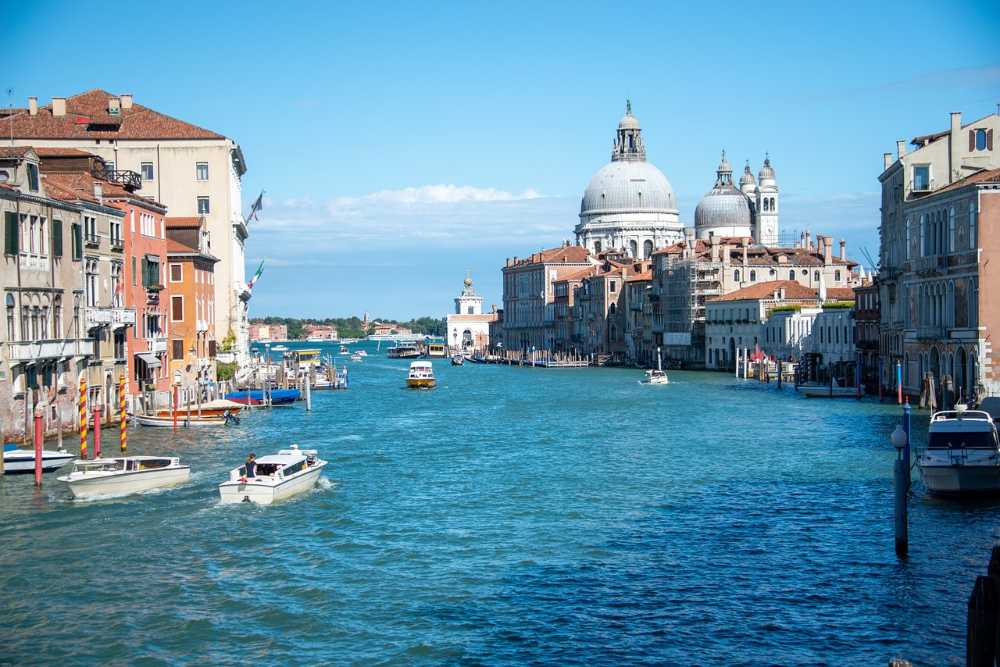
x=11 y=236
x=736 y=276
x=147 y=171
x=116 y=284
x=612 y=285
x=836 y=276
x=133 y=271
x=76 y=232
x=791 y=274
x=32 y=176
x=981 y=139
x=951 y=229
x=90 y=283
x=11 y=329
x=597 y=247
x=923 y=236
x=753 y=276
x=57 y=238
x=90 y=229
x=177 y=309
x=176 y=273
x=201 y=171
x=150 y=272
x=470 y=309
x=178 y=349
x=147 y=224
x=203 y=207
x=816 y=276
x=972 y=225
x=921 y=177
x=57 y=317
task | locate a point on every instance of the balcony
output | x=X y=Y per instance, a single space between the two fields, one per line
x=118 y=245
x=115 y=317
x=50 y=349
x=129 y=180
x=92 y=241
x=157 y=345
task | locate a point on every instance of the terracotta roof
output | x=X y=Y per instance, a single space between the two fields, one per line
x=181 y=221
x=175 y=247
x=578 y=274
x=927 y=138
x=984 y=176
x=62 y=152
x=572 y=254
x=766 y=290
x=13 y=151
x=840 y=293
x=87 y=117
x=758 y=255
x=79 y=185
x=639 y=277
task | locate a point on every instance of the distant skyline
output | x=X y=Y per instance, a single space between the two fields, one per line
x=401 y=145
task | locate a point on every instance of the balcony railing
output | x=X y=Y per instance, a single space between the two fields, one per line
x=50 y=349
x=96 y=317
x=92 y=240
x=129 y=180
x=117 y=244
x=158 y=345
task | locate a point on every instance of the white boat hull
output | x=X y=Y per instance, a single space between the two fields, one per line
x=22 y=461
x=124 y=483
x=264 y=492
x=960 y=480
x=183 y=421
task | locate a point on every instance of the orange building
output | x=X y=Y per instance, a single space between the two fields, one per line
x=191 y=303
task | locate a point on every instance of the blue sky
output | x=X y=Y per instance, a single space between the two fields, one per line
x=401 y=144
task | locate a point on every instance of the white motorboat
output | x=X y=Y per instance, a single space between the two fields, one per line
x=421 y=375
x=22 y=461
x=962 y=455
x=656 y=376
x=281 y=348
x=361 y=353
x=186 y=420
x=124 y=475
x=278 y=476
x=356 y=357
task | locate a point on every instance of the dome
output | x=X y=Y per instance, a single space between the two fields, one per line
x=628 y=122
x=725 y=210
x=628 y=187
x=766 y=172
x=747 y=177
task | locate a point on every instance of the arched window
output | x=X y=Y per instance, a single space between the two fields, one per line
x=11 y=329
x=816 y=276
x=611 y=310
x=765 y=204
x=753 y=276
x=597 y=247
x=633 y=248
x=736 y=276
x=772 y=203
x=647 y=249
x=791 y=274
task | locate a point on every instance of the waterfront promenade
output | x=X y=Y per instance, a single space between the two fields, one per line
x=509 y=516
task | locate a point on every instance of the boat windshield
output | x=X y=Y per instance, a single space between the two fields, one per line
x=267 y=468
x=962 y=440
x=101 y=465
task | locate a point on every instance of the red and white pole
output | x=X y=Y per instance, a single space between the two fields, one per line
x=38 y=446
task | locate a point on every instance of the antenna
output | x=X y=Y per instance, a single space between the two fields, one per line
x=10 y=113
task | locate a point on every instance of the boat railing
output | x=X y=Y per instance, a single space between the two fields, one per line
x=948 y=415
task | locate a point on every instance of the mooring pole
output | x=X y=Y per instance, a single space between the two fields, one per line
x=901 y=484
x=122 y=432
x=906 y=447
x=38 y=446
x=309 y=403
x=899 y=382
x=97 y=431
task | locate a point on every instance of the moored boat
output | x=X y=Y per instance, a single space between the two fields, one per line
x=278 y=476
x=124 y=475
x=216 y=408
x=260 y=397
x=830 y=391
x=404 y=351
x=962 y=455
x=185 y=421
x=457 y=359
x=421 y=375
x=22 y=461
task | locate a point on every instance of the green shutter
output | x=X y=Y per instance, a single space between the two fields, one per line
x=10 y=233
x=57 y=238
x=77 y=241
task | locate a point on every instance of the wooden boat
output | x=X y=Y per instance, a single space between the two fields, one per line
x=185 y=421
x=421 y=375
x=216 y=408
x=124 y=475
x=279 y=476
x=457 y=359
x=22 y=461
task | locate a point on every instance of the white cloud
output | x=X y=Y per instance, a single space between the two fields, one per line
x=431 y=194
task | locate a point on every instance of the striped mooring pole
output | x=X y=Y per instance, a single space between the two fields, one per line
x=83 y=417
x=123 y=433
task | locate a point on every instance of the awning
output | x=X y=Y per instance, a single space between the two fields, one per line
x=149 y=359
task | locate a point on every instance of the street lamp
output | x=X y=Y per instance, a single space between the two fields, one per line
x=898 y=440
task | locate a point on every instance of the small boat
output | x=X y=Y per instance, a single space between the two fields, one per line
x=127 y=474
x=216 y=408
x=22 y=461
x=259 y=397
x=656 y=375
x=314 y=339
x=280 y=348
x=344 y=350
x=421 y=375
x=278 y=476
x=361 y=353
x=457 y=359
x=437 y=350
x=186 y=421
x=356 y=357
x=962 y=455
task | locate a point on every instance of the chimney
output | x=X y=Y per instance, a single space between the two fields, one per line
x=58 y=106
x=715 y=248
x=724 y=249
x=843 y=250
x=886 y=161
x=955 y=153
x=745 y=263
x=114 y=106
x=126 y=101
x=32 y=106
x=900 y=148
x=827 y=250
x=806 y=241
x=98 y=191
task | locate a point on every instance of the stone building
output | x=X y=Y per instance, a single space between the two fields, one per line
x=528 y=295
x=629 y=204
x=190 y=291
x=191 y=170
x=687 y=274
x=264 y=333
x=468 y=328
x=940 y=205
x=748 y=211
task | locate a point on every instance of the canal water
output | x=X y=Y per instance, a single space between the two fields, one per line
x=509 y=516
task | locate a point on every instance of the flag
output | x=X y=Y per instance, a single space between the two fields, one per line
x=257 y=206
x=256 y=276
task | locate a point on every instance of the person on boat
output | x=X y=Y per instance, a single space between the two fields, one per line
x=251 y=465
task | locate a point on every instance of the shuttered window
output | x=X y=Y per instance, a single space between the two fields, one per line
x=10 y=233
x=57 y=238
x=77 y=241
x=211 y=348
x=178 y=351
x=177 y=308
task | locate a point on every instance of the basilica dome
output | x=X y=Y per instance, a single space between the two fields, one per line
x=724 y=211
x=628 y=187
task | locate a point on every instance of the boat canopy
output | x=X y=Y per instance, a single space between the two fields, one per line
x=421 y=364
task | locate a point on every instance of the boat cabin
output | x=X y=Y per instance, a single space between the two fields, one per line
x=962 y=429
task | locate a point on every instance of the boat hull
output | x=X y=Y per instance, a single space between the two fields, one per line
x=22 y=461
x=257 y=397
x=421 y=383
x=957 y=480
x=182 y=421
x=825 y=392
x=126 y=483
x=267 y=494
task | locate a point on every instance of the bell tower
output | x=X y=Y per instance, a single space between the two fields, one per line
x=767 y=205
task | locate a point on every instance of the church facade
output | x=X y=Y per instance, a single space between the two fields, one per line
x=468 y=327
x=749 y=211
